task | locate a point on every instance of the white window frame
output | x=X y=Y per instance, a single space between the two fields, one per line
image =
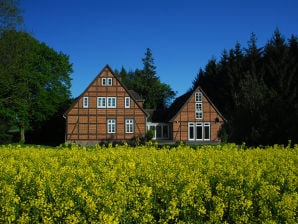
x=127 y=102
x=101 y=102
x=109 y=81
x=85 y=102
x=206 y=124
x=103 y=81
x=199 y=114
x=129 y=126
x=203 y=126
x=199 y=110
x=198 y=97
x=111 y=102
x=111 y=126
x=191 y=125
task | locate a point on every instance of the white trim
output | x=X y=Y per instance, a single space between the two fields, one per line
x=103 y=81
x=198 y=97
x=129 y=126
x=199 y=126
x=101 y=102
x=111 y=102
x=109 y=81
x=127 y=102
x=111 y=126
x=85 y=102
x=164 y=130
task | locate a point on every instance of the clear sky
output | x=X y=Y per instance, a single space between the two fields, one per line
x=182 y=35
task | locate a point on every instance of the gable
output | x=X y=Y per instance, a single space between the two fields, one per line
x=105 y=84
x=187 y=102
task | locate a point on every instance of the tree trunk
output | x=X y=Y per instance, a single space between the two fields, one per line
x=22 y=134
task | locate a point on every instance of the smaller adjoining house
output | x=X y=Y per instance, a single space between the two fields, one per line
x=107 y=111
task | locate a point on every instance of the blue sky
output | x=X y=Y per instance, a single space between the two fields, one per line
x=182 y=35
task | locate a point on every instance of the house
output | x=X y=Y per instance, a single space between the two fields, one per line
x=107 y=111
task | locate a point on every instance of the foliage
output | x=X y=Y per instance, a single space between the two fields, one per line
x=122 y=184
x=146 y=83
x=10 y=15
x=256 y=90
x=34 y=80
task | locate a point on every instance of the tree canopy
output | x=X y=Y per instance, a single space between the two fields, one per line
x=10 y=15
x=34 y=80
x=256 y=90
x=146 y=83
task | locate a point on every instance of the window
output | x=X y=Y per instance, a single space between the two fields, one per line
x=190 y=131
x=199 y=110
x=104 y=81
x=206 y=131
x=85 y=102
x=127 y=102
x=101 y=102
x=199 y=131
x=110 y=81
x=106 y=102
x=129 y=127
x=111 y=123
x=199 y=115
x=111 y=102
x=198 y=97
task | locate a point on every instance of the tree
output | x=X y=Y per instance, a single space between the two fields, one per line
x=34 y=80
x=146 y=83
x=10 y=15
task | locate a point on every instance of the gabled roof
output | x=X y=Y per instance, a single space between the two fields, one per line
x=178 y=104
x=135 y=96
x=156 y=116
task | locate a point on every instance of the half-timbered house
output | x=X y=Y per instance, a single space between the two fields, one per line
x=107 y=111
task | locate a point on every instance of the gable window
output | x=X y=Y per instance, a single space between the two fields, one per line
x=106 y=81
x=111 y=102
x=127 y=102
x=111 y=125
x=101 y=102
x=110 y=82
x=199 y=110
x=85 y=102
x=198 y=97
x=129 y=126
x=103 y=81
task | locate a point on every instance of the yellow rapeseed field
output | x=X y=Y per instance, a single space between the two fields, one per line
x=146 y=184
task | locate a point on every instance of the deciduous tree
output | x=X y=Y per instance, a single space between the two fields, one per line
x=34 y=80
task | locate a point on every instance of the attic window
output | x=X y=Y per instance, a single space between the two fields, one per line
x=106 y=81
x=198 y=97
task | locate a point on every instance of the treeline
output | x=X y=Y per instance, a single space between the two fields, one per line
x=255 y=88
